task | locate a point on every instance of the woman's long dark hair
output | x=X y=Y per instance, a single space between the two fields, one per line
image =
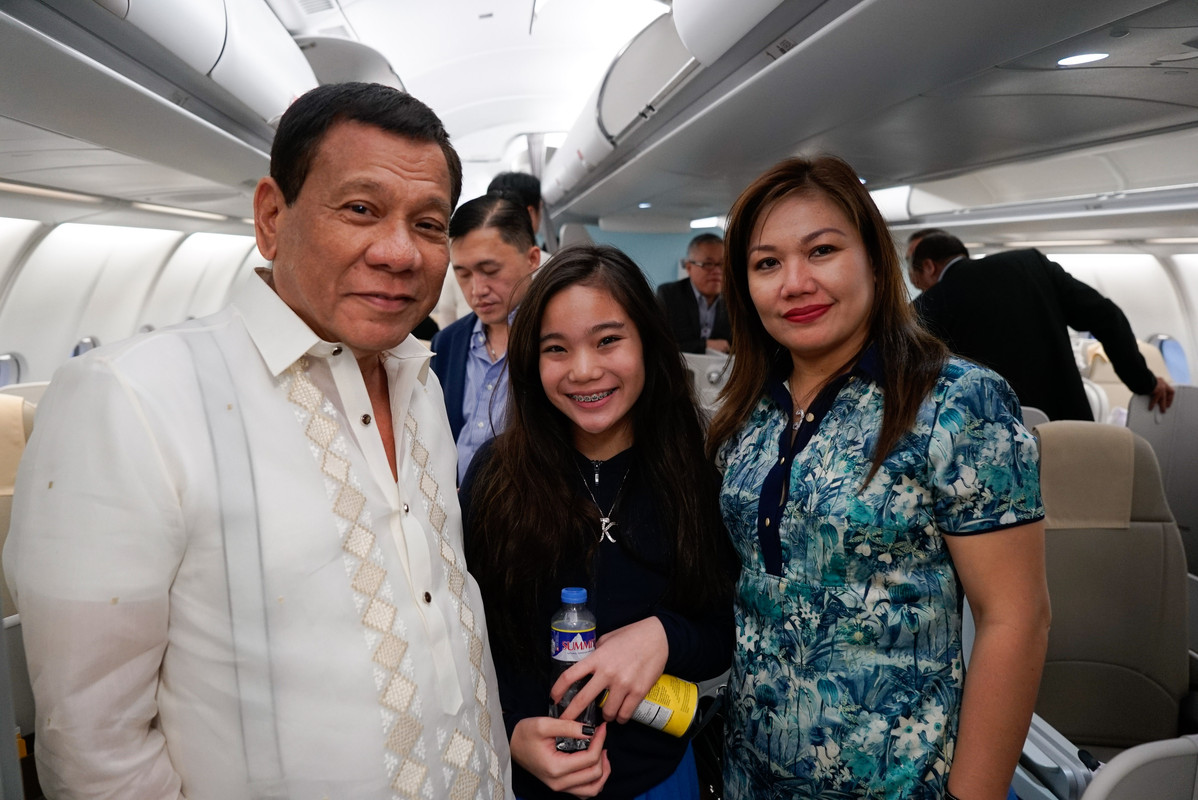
x=527 y=516
x=911 y=357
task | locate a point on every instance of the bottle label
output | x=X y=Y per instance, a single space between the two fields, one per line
x=572 y=645
x=670 y=706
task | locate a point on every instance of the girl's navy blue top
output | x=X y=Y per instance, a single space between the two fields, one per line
x=626 y=584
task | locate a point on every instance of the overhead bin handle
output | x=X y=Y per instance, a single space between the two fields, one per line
x=650 y=107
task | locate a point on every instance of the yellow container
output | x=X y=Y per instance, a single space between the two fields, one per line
x=670 y=706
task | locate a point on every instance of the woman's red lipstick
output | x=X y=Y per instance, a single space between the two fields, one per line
x=807 y=313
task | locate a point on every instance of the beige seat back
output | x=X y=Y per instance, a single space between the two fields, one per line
x=16 y=422
x=1165 y=770
x=1102 y=372
x=1116 y=669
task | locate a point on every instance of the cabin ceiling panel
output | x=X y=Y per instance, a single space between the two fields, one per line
x=1176 y=85
x=134 y=120
x=460 y=56
x=1144 y=163
x=34 y=156
x=931 y=136
x=815 y=99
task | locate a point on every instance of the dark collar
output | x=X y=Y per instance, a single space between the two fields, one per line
x=868 y=367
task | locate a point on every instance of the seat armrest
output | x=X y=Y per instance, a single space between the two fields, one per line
x=1052 y=760
x=1187 y=714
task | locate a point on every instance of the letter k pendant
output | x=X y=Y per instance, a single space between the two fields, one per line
x=606 y=525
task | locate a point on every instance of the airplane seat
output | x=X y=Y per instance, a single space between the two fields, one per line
x=1174 y=355
x=574 y=233
x=16 y=423
x=1102 y=373
x=1166 y=770
x=709 y=372
x=1100 y=407
x=1174 y=437
x=1116 y=674
x=1033 y=416
x=31 y=391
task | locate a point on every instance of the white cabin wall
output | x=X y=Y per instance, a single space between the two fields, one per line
x=52 y=293
x=15 y=236
x=195 y=279
x=1185 y=267
x=217 y=285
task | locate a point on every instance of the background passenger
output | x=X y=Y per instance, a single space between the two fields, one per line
x=602 y=427
x=493 y=255
x=693 y=306
x=869 y=479
x=525 y=187
x=204 y=538
x=1012 y=312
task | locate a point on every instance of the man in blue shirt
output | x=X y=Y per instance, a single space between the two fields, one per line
x=493 y=254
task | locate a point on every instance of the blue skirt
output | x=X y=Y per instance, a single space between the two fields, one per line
x=683 y=784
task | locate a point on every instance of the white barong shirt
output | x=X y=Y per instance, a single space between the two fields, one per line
x=378 y=681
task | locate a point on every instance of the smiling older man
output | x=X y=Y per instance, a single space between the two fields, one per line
x=693 y=305
x=236 y=543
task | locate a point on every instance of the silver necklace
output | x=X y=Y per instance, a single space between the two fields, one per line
x=801 y=416
x=605 y=521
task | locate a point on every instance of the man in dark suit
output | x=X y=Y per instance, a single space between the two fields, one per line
x=693 y=305
x=1009 y=312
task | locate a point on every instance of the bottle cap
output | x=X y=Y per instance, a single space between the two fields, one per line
x=574 y=594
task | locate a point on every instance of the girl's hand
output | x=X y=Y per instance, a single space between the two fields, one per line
x=582 y=773
x=626 y=663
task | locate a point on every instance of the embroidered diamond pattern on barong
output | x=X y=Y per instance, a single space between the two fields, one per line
x=379 y=615
x=409 y=778
x=368 y=579
x=463 y=787
x=390 y=651
x=359 y=543
x=336 y=467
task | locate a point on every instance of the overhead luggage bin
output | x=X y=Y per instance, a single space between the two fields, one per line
x=708 y=30
x=194 y=30
x=652 y=67
x=337 y=60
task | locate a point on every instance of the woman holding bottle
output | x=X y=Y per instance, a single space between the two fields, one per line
x=599 y=481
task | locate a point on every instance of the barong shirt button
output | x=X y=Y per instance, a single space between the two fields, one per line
x=365 y=419
x=428 y=598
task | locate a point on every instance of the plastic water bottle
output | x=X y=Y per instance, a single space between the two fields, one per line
x=572 y=639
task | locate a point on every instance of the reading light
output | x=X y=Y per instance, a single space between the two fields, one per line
x=51 y=194
x=179 y=212
x=1082 y=58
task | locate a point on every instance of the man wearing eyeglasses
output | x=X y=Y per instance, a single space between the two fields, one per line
x=693 y=305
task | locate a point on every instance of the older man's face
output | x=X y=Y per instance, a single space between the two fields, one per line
x=361 y=254
x=705 y=265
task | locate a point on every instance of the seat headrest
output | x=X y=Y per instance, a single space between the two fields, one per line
x=27 y=412
x=1086 y=474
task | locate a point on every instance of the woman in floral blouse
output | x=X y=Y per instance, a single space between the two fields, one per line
x=871 y=481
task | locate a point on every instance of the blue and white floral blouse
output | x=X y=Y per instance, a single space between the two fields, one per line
x=846 y=678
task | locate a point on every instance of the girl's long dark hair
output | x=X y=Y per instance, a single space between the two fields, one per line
x=911 y=357
x=527 y=511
